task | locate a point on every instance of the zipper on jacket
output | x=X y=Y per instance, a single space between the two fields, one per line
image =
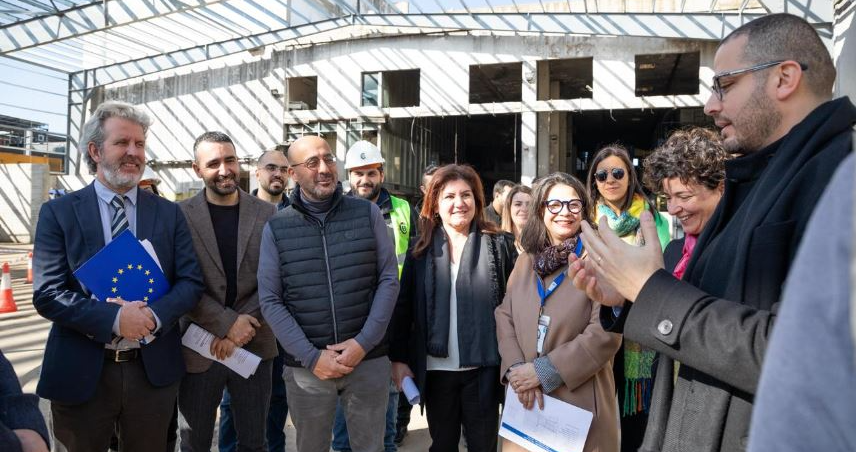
x=329 y=283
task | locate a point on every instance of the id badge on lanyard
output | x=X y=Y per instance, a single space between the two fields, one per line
x=544 y=320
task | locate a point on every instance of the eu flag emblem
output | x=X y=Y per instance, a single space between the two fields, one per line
x=123 y=269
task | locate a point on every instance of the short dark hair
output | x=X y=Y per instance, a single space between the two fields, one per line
x=534 y=236
x=500 y=185
x=787 y=37
x=211 y=137
x=271 y=151
x=693 y=155
x=430 y=170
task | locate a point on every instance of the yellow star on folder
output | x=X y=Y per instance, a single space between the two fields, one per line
x=114 y=290
x=130 y=266
x=151 y=290
x=147 y=272
x=139 y=267
x=151 y=281
x=121 y=271
x=145 y=298
x=115 y=280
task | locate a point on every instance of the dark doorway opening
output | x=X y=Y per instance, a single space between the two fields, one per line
x=491 y=144
x=640 y=131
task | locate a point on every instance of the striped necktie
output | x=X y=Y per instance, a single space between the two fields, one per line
x=120 y=220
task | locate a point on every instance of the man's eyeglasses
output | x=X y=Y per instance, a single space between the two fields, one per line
x=555 y=206
x=617 y=174
x=717 y=84
x=314 y=162
x=271 y=168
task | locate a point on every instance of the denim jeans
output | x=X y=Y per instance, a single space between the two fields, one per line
x=340 y=428
x=227 y=440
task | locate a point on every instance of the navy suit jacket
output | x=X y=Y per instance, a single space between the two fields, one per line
x=69 y=233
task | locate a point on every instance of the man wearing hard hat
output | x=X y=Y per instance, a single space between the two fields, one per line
x=364 y=164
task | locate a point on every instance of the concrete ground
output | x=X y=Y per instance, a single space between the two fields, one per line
x=23 y=335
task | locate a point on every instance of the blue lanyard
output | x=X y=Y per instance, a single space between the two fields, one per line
x=553 y=286
x=556 y=282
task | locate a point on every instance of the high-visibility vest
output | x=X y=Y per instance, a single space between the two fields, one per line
x=399 y=216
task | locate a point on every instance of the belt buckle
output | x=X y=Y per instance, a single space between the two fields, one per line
x=117 y=357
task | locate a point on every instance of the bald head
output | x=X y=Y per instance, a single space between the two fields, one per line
x=305 y=144
x=313 y=167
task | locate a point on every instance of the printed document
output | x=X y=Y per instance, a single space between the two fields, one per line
x=560 y=427
x=242 y=362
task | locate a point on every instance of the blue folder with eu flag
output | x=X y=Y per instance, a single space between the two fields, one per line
x=123 y=269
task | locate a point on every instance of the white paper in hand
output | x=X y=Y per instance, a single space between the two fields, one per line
x=241 y=362
x=408 y=386
x=560 y=426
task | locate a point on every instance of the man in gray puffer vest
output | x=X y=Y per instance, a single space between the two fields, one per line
x=328 y=281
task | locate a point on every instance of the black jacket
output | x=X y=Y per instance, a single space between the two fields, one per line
x=409 y=325
x=717 y=321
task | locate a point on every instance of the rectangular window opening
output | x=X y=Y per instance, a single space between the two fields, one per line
x=496 y=83
x=568 y=79
x=302 y=93
x=667 y=74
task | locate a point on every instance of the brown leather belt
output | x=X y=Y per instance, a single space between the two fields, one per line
x=121 y=356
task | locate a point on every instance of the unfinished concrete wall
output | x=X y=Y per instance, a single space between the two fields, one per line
x=23 y=189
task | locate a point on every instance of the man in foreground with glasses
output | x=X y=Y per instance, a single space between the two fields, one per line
x=328 y=282
x=772 y=99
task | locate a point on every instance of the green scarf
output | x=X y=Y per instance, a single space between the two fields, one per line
x=638 y=360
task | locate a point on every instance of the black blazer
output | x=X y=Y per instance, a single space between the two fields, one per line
x=69 y=233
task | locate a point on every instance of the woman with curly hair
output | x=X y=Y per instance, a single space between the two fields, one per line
x=616 y=194
x=688 y=169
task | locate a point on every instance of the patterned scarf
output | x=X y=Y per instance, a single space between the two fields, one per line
x=553 y=257
x=638 y=360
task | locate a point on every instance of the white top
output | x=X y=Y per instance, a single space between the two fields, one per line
x=453 y=361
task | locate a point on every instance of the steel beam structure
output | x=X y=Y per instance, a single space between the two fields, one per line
x=687 y=26
x=100 y=15
x=659 y=25
x=170 y=60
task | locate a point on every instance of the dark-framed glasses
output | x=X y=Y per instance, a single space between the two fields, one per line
x=717 y=84
x=314 y=162
x=602 y=175
x=271 y=168
x=555 y=206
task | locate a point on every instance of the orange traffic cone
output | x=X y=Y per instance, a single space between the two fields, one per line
x=7 y=302
x=30 y=268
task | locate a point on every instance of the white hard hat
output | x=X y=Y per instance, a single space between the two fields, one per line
x=362 y=153
x=148 y=174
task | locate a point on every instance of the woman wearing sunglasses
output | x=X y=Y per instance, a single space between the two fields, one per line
x=615 y=193
x=549 y=332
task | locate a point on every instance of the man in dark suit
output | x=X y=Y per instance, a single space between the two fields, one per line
x=226 y=224
x=96 y=372
x=772 y=98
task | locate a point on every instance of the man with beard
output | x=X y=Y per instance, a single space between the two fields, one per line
x=272 y=177
x=772 y=98
x=500 y=191
x=328 y=282
x=364 y=164
x=96 y=372
x=226 y=225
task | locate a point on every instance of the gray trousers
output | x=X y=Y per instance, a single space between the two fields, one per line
x=363 y=393
x=199 y=397
x=124 y=399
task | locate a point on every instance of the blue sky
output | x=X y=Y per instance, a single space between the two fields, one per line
x=24 y=103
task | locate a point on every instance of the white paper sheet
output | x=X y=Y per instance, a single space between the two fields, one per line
x=560 y=427
x=241 y=362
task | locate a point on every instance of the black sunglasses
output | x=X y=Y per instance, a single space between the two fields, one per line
x=617 y=174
